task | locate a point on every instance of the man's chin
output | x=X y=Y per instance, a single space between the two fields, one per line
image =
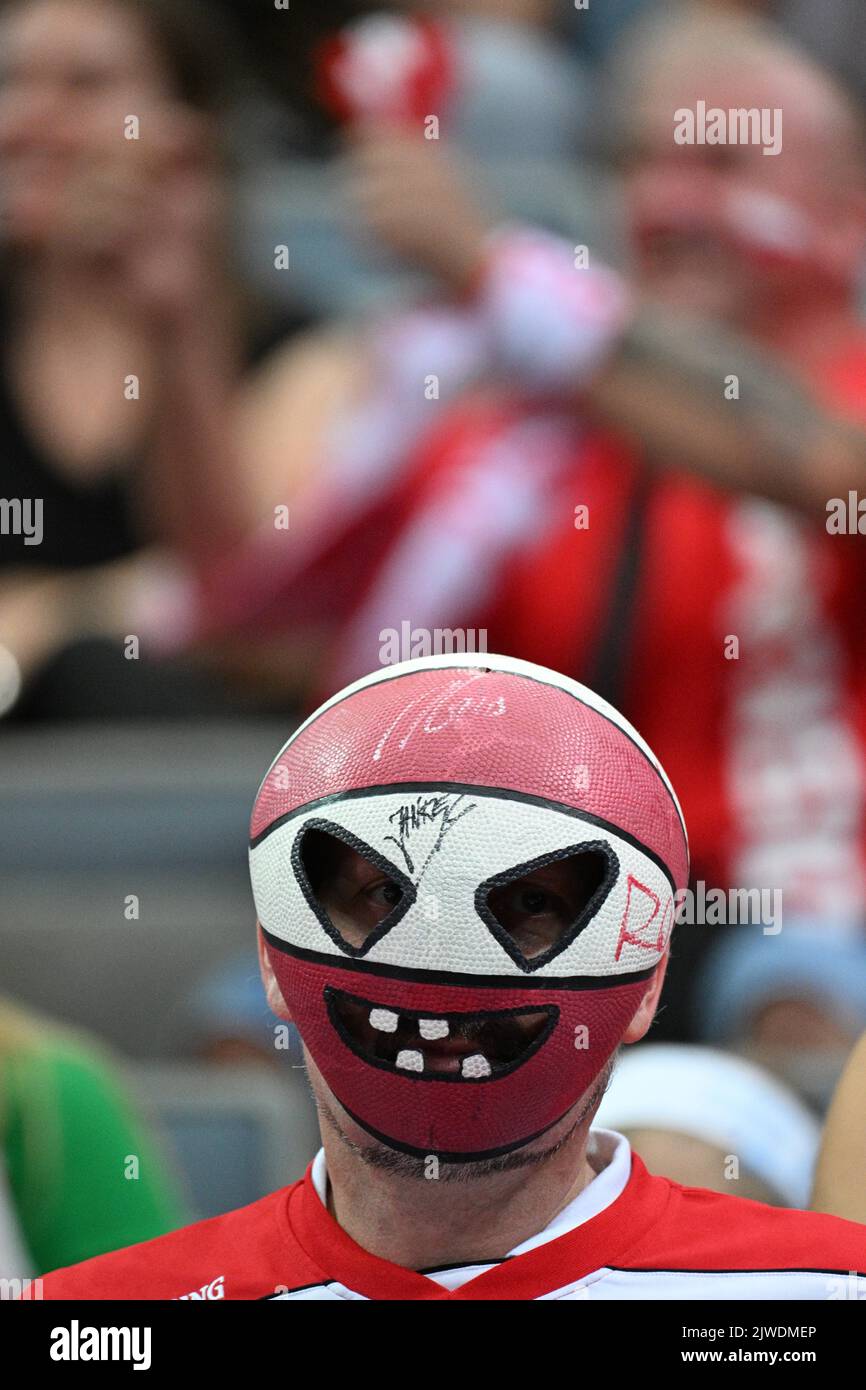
x=335 y=1120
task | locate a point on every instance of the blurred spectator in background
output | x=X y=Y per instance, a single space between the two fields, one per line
x=513 y=308
x=710 y=1120
x=78 y=1176
x=802 y=989
x=226 y=1019
x=832 y=32
x=120 y=290
x=839 y=1186
x=126 y=332
x=768 y=748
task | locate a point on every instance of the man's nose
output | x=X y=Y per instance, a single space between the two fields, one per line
x=689 y=194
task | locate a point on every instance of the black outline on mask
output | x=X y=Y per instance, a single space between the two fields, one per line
x=339 y=832
x=500 y=793
x=451 y=1155
x=449 y=977
x=530 y=964
x=552 y=1010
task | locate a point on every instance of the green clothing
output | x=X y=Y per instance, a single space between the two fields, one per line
x=70 y=1140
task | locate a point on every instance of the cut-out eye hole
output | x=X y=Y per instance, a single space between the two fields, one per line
x=355 y=892
x=536 y=910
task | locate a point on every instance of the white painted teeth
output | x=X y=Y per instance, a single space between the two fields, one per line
x=384 y=1020
x=476 y=1065
x=430 y=1029
x=433 y=1028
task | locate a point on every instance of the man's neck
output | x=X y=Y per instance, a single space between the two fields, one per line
x=427 y=1223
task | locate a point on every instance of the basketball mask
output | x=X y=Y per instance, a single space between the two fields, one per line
x=464 y=869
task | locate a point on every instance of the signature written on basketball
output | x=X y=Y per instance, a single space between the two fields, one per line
x=431 y=714
x=426 y=821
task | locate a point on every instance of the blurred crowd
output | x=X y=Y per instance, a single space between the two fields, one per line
x=329 y=329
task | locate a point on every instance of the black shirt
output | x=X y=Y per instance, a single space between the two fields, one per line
x=91 y=521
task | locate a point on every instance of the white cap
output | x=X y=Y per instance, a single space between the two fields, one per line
x=724 y=1100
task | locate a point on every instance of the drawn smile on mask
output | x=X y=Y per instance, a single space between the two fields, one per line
x=448 y=1047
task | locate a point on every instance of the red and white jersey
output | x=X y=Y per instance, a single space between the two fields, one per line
x=627 y=1235
x=767 y=751
x=536 y=320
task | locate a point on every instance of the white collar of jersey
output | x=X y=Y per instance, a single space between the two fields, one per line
x=608 y=1153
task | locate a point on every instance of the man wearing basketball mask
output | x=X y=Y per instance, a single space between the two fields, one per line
x=465 y=872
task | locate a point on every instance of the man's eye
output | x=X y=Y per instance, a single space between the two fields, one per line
x=539 y=909
x=534 y=901
x=386 y=894
x=529 y=913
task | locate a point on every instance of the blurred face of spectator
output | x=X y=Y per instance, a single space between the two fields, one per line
x=725 y=229
x=61 y=62
x=696 y=1163
x=798 y=1024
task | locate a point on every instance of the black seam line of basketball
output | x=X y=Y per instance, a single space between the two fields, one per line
x=769 y=1269
x=452 y=1079
x=446 y=1155
x=505 y=793
x=498 y=670
x=462 y=979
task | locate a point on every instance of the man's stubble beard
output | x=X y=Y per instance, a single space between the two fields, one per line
x=377 y=1155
